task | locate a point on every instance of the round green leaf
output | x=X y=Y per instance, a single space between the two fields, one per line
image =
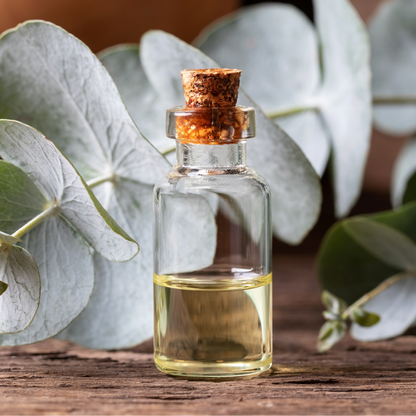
x=390 y=246
x=276 y=47
x=347 y=269
x=396 y=307
x=283 y=57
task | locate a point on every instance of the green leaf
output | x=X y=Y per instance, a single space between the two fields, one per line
x=396 y=307
x=347 y=269
x=61 y=184
x=3 y=287
x=20 y=276
x=276 y=47
x=60 y=245
x=279 y=52
x=330 y=316
x=333 y=303
x=364 y=318
x=295 y=187
x=20 y=199
x=393 y=59
x=330 y=333
x=390 y=246
x=402 y=188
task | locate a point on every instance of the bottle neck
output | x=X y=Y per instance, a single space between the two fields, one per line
x=210 y=156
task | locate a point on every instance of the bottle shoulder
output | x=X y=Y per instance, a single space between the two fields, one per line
x=240 y=180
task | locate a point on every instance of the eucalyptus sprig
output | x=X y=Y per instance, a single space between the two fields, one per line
x=337 y=314
x=371 y=261
x=60 y=223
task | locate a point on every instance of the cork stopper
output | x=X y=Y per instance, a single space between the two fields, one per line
x=217 y=87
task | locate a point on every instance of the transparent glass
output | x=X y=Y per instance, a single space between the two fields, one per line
x=212 y=265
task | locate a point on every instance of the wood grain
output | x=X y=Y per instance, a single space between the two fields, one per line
x=55 y=377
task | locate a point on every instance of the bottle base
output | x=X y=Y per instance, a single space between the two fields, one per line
x=197 y=369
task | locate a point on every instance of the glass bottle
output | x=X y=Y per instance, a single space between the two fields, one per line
x=212 y=239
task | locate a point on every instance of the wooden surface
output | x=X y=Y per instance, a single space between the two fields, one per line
x=56 y=377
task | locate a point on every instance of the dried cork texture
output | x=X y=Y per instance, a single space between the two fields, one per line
x=211 y=115
x=216 y=87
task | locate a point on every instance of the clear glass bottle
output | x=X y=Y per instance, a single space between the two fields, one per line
x=212 y=240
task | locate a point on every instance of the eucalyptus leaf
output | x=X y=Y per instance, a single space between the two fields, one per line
x=20 y=276
x=331 y=316
x=52 y=80
x=61 y=243
x=276 y=46
x=385 y=243
x=119 y=313
x=295 y=187
x=396 y=307
x=145 y=106
x=404 y=169
x=363 y=317
x=331 y=333
x=20 y=199
x=333 y=303
x=393 y=59
x=279 y=52
x=177 y=211
x=351 y=269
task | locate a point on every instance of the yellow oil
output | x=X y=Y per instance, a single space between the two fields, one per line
x=208 y=328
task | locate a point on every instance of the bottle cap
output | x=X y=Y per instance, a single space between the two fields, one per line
x=215 y=87
x=211 y=115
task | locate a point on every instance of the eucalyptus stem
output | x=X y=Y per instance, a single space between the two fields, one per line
x=169 y=149
x=290 y=111
x=380 y=288
x=101 y=179
x=394 y=100
x=49 y=212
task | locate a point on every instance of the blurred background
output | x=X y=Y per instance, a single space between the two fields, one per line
x=105 y=23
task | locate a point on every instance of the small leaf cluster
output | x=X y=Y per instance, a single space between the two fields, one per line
x=337 y=314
